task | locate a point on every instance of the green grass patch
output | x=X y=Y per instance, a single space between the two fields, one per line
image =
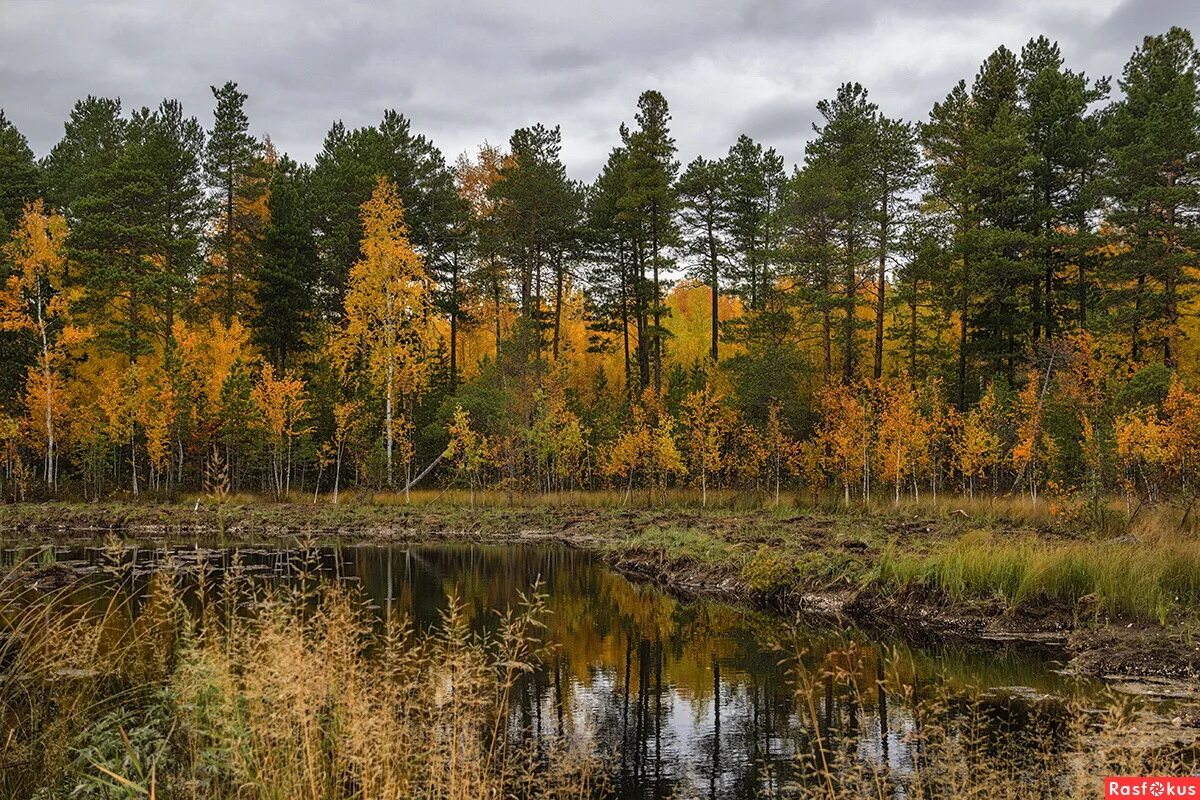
x=690 y=544
x=1130 y=579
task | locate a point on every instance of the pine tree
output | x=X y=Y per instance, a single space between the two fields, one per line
x=1153 y=154
x=77 y=165
x=842 y=149
x=948 y=139
x=540 y=211
x=810 y=213
x=753 y=180
x=344 y=177
x=20 y=178
x=20 y=183
x=649 y=203
x=704 y=217
x=230 y=157
x=1063 y=140
x=616 y=281
x=895 y=170
x=169 y=147
x=286 y=310
x=1005 y=280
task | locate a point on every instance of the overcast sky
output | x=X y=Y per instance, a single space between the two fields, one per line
x=466 y=72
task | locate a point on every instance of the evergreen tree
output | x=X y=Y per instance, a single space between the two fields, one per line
x=286 y=311
x=649 y=203
x=842 y=150
x=92 y=139
x=539 y=212
x=20 y=179
x=20 y=183
x=614 y=278
x=1063 y=141
x=344 y=176
x=1005 y=279
x=1154 y=157
x=810 y=214
x=102 y=175
x=705 y=216
x=754 y=179
x=948 y=138
x=169 y=151
x=229 y=159
x=895 y=173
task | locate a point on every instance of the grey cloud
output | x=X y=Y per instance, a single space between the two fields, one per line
x=568 y=57
x=473 y=70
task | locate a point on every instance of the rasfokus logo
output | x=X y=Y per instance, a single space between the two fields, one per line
x=1151 y=786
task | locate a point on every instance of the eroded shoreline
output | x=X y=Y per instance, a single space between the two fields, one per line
x=824 y=564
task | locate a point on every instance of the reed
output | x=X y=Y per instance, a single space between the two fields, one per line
x=990 y=745
x=266 y=692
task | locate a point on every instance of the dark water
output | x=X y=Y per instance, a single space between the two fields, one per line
x=680 y=698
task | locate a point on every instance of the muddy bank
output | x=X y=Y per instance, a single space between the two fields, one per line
x=815 y=563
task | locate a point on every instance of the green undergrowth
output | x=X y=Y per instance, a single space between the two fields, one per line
x=681 y=544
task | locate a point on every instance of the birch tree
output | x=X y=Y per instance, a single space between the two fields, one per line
x=389 y=331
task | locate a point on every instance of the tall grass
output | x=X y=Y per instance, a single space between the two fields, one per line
x=1140 y=580
x=296 y=693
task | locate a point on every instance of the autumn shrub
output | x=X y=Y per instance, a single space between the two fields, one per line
x=768 y=571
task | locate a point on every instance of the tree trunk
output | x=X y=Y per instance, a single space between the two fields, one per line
x=621 y=269
x=848 y=301
x=229 y=294
x=454 y=320
x=714 y=277
x=962 y=339
x=657 y=302
x=880 y=298
x=558 y=298
x=389 y=337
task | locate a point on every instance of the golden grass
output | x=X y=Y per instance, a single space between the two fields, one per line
x=989 y=745
x=267 y=693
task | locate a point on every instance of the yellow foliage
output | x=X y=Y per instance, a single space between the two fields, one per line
x=389 y=306
x=845 y=434
x=690 y=319
x=211 y=353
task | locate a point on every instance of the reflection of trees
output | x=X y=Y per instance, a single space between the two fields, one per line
x=682 y=698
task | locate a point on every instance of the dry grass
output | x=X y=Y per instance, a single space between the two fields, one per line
x=980 y=746
x=267 y=693
x=592 y=498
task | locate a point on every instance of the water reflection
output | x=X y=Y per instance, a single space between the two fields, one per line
x=679 y=698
